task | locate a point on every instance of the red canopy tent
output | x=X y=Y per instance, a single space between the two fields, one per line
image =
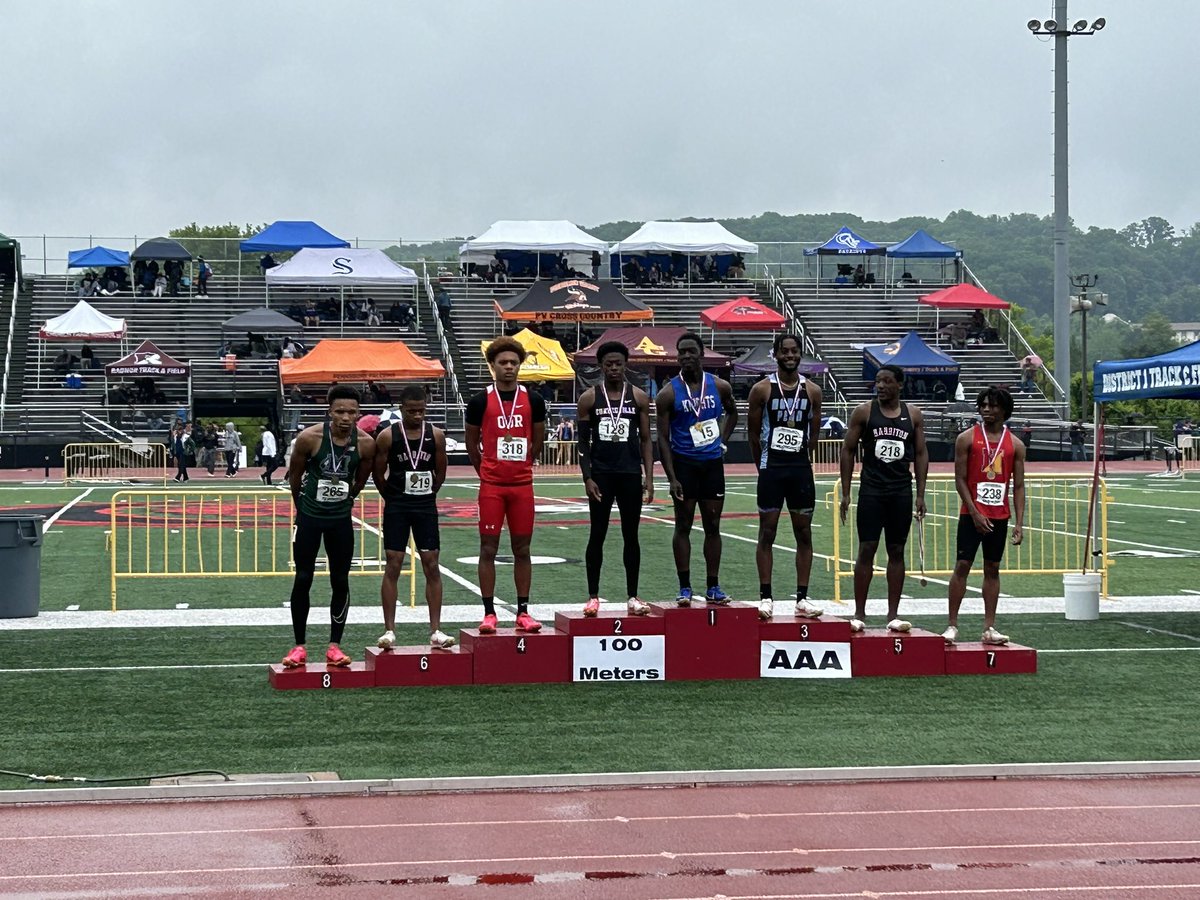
x=742 y=314
x=964 y=296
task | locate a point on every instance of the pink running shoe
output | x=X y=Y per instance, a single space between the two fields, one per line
x=488 y=625
x=592 y=608
x=296 y=658
x=335 y=657
x=526 y=622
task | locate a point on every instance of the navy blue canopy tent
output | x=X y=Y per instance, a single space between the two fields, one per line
x=289 y=235
x=925 y=367
x=921 y=244
x=100 y=257
x=845 y=242
x=1174 y=374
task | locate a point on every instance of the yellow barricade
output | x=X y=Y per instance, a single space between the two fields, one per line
x=826 y=456
x=227 y=534
x=109 y=463
x=1055 y=526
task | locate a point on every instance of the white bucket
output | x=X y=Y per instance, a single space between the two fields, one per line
x=1082 y=593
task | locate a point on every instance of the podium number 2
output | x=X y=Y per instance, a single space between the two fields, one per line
x=326 y=680
x=991 y=659
x=898 y=646
x=616 y=626
x=521 y=645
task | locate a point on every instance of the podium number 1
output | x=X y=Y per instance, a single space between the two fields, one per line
x=521 y=645
x=712 y=617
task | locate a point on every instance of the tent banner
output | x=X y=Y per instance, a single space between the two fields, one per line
x=147 y=361
x=1151 y=379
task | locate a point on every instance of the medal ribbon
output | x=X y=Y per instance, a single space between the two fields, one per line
x=615 y=417
x=789 y=409
x=512 y=412
x=412 y=460
x=989 y=454
x=693 y=403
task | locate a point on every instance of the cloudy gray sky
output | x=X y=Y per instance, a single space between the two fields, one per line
x=424 y=120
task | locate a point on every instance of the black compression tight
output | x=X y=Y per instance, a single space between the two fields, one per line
x=627 y=491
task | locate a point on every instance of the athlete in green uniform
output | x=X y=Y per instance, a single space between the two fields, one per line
x=330 y=464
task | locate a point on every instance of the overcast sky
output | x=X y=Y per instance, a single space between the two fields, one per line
x=385 y=119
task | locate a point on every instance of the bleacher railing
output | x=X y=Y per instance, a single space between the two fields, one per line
x=780 y=298
x=12 y=324
x=447 y=358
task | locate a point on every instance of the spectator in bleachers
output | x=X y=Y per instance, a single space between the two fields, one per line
x=203 y=273
x=328 y=310
x=655 y=277
x=87 y=287
x=267 y=262
x=497 y=269
x=444 y=304
x=957 y=333
x=711 y=273
x=86 y=358
x=160 y=285
x=860 y=276
x=383 y=394
x=595 y=265
x=311 y=316
x=139 y=274
x=696 y=272
x=906 y=280
x=373 y=320
x=737 y=267
x=63 y=363
x=174 y=272
x=634 y=272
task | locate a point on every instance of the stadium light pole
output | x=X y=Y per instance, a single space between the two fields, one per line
x=1083 y=304
x=1060 y=31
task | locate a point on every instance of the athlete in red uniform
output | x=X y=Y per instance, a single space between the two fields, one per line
x=986 y=456
x=506 y=426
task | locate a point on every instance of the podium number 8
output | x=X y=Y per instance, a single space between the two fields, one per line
x=326 y=680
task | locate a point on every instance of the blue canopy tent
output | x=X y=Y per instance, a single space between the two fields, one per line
x=921 y=245
x=844 y=243
x=96 y=256
x=929 y=374
x=289 y=235
x=1173 y=375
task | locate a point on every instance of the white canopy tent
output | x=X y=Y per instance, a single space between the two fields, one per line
x=534 y=236
x=83 y=322
x=682 y=237
x=339 y=267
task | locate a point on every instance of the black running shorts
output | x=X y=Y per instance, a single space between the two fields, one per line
x=421 y=521
x=890 y=514
x=792 y=485
x=970 y=540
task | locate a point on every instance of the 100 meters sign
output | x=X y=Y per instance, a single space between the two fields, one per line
x=618 y=658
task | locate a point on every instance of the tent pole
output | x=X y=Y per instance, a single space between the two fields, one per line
x=239 y=275
x=342 y=323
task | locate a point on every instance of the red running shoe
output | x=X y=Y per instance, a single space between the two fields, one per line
x=526 y=622
x=592 y=607
x=335 y=657
x=296 y=658
x=488 y=625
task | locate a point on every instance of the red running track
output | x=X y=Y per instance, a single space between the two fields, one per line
x=1111 y=838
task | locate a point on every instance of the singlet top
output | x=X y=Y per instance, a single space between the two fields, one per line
x=703 y=410
x=988 y=473
x=889 y=445
x=616 y=438
x=328 y=477
x=787 y=421
x=401 y=487
x=506 y=434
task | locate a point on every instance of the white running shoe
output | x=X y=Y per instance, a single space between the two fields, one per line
x=992 y=636
x=766 y=608
x=950 y=635
x=857 y=625
x=387 y=641
x=806 y=610
x=638 y=607
x=439 y=640
x=900 y=625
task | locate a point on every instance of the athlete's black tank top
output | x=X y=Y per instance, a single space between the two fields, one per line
x=615 y=456
x=888 y=448
x=781 y=412
x=399 y=466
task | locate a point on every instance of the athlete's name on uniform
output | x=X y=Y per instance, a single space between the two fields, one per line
x=888 y=431
x=517 y=420
x=595 y=673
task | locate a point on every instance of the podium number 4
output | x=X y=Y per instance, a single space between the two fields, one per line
x=521 y=645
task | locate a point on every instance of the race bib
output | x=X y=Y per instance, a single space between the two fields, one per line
x=990 y=493
x=329 y=491
x=787 y=440
x=888 y=450
x=417 y=483
x=615 y=431
x=511 y=449
x=705 y=432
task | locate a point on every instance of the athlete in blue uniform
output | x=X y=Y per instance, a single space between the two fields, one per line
x=692 y=441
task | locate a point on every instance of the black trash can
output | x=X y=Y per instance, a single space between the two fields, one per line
x=21 y=563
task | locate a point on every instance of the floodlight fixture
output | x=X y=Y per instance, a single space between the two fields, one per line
x=1080 y=25
x=1050 y=25
x=1098 y=25
x=1034 y=25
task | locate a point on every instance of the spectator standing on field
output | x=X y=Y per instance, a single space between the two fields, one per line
x=233 y=446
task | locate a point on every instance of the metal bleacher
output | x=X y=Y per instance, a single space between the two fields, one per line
x=188 y=328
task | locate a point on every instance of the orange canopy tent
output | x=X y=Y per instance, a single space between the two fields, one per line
x=358 y=361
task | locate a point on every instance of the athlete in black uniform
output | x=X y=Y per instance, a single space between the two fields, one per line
x=328 y=469
x=618 y=464
x=893 y=437
x=784 y=419
x=410 y=466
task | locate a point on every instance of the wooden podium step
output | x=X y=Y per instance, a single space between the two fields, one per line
x=355 y=675
x=879 y=652
x=708 y=642
x=609 y=622
x=990 y=659
x=615 y=647
x=420 y=666
x=828 y=629
x=514 y=657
